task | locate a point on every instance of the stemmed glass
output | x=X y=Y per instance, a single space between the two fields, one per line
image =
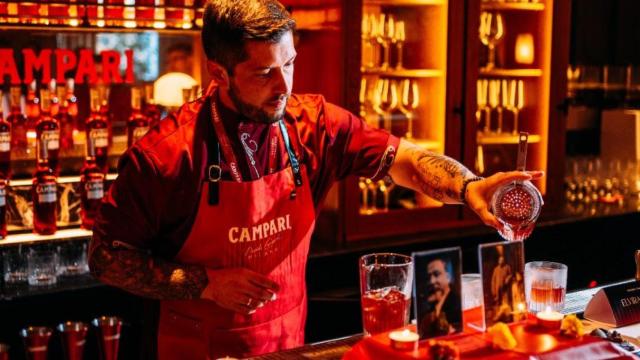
x=491 y=32
x=385 y=35
x=504 y=103
x=388 y=95
x=367 y=46
x=409 y=103
x=482 y=90
x=494 y=102
x=399 y=38
x=386 y=185
x=516 y=101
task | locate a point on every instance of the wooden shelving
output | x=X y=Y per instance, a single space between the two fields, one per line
x=512 y=6
x=504 y=139
x=60 y=235
x=498 y=72
x=403 y=2
x=104 y=29
x=405 y=73
x=427 y=144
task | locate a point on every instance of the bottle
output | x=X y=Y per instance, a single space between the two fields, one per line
x=200 y=12
x=55 y=98
x=3 y=208
x=45 y=198
x=72 y=105
x=150 y=108
x=91 y=191
x=32 y=109
x=64 y=120
x=179 y=14
x=114 y=12
x=5 y=145
x=47 y=133
x=59 y=12
x=144 y=13
x=18 y=122
x=97 y=132
x=138 y=123
x=28 y=12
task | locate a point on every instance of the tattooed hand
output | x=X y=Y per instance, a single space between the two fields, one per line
x=479 y=193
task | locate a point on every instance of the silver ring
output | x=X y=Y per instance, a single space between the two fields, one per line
x=249 y=302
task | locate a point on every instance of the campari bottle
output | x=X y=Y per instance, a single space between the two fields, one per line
x=97 y=129
x=48 y=132
x=91 y=191
x=18 y=122
x=138 y=123
x=3 y=208
x=5 y=145
x=32 y=108
x=44 y=195
x=72 y=106
x=65 y=121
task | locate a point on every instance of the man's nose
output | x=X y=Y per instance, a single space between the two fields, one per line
x=282 y=82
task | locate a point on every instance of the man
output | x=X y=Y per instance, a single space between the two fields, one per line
x=444 y=310
x=500 y=287
x=213 y=209
x=180 y=58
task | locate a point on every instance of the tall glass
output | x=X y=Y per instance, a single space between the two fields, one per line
x=42 y=265
x=36 y=342
x=545 y=285
x=472 y=303
x=14 y=264
x=386 y=280
x=108 y=330
x=73 y=336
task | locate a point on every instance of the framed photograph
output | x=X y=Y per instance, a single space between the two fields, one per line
x=502 y=270
x=436 y=295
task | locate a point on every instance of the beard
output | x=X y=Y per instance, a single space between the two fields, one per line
x=253 y=112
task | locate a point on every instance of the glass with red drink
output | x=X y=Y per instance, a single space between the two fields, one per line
x=36 y=342
x=108 y=331
x=73 y=336
x=386 y=280
x=545 y=285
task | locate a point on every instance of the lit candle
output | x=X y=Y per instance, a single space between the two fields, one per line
x=404 y=340
x=549 y=319
x=524 y=49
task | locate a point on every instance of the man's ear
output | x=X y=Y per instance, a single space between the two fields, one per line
x=218 y=73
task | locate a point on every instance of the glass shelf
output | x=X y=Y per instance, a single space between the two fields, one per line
x=405 y=73
x=60 y=180
x=498 y=72
x=83 y=28
x=31 y=238
x=512 y=6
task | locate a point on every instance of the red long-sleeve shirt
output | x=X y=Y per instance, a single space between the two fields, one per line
x=153 y=202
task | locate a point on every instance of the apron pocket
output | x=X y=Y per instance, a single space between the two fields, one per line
x=181 y=337
x=246 y=341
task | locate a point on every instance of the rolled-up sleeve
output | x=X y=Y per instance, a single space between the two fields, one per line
x=357 y=148
x=130 y=211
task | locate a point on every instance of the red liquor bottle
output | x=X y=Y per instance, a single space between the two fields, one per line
x=179 y=14
x=4 y=12
x=18 y=122
x=59 y=12
x=200 y=12
x=32 y=108
x=97 y=130
x=28 y=12
x=91 y=192
x=150 y=108
x=3 y=208
x=65 y=121
x=55 y=98
x=48 y=133
x=45 y=198
x=114 y=12
x=72 y=106
x=145 y=13
x=5 y=146
x=138 y=123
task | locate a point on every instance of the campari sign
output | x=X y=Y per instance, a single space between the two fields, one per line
x=55 y=63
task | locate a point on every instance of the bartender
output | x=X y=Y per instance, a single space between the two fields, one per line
x=213 y=210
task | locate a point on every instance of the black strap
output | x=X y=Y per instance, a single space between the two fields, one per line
x=214 y=172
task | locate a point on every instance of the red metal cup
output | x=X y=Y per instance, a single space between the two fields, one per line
x=36 y=342
x=108 y=329
x=73 y=336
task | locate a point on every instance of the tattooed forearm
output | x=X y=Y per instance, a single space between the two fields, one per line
x=438 y=176
x=147 y=276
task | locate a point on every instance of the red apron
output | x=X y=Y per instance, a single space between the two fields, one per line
x=256 y=225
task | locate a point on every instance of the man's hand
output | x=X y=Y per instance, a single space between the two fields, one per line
x=240 y=290
x=479 y=193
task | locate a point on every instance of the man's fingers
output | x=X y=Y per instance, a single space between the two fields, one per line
x=488 y=218
x=264 y=282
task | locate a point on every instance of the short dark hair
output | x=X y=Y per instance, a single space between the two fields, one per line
x=182 y=47
x=228 y=24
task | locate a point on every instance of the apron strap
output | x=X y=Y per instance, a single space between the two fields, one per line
x=293 y=159
x=214 y=172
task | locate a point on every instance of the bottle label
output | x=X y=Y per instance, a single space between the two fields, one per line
x=95 y=189
x=5 y=141
x=46 y=193
x=99 y=137
x=139 y=132
x=51 y=138
x=3 y=196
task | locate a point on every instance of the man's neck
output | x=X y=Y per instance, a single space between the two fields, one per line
x=223 y=97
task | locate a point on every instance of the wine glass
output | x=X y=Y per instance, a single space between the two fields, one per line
x=494 y=102
x=367 y=47
x=385 y=35
x=386 y=185
x=504 y=103
x=516 y=101
x=482 y=89
x=409 y=103
x=399 y=39
x=388 y=101
x=364 y=192
x=491 y=32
